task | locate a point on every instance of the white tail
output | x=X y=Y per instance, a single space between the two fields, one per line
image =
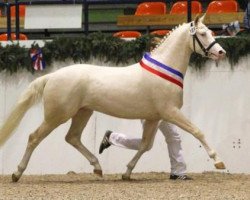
x=27 y=99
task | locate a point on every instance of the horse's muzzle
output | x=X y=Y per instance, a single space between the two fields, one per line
x=217 y=55
x=221 y=54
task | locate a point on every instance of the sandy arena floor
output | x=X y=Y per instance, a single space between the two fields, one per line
x=214 y=186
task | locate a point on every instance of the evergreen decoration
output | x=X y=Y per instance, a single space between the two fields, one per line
x=106 y=48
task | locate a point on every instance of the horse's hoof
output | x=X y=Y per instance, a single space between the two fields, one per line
x=98 y=172
x=125 y=177
x=15 y=178
x=220 y=165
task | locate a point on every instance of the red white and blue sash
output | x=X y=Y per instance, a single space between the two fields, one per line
x=162 y=70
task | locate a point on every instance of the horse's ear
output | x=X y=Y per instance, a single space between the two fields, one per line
x=202 y=18
x=196 y=20
x=199 y=18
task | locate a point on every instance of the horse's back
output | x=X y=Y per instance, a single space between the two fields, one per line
x=89 y=76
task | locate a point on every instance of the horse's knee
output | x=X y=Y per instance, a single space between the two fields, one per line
x=145 y=147
x=198 y=134
x=149 y=147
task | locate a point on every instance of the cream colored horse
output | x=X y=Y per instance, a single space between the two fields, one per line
x=150 y=90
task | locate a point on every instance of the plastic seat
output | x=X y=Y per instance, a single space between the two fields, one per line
x=180 y=7
x=4 y=37
x=222 y=7
x=127 y=34
x=151 y=8
x=160 y=32
x=21 y=11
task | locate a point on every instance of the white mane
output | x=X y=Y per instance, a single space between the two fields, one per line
x=164 y=39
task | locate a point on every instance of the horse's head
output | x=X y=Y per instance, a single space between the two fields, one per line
x=203 y=42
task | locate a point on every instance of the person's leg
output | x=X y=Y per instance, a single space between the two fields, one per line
x=178 y=165
x=120 y=140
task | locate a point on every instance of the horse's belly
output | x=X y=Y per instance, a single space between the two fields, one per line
x=126 y=111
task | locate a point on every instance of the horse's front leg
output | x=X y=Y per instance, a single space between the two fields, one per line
x=149 y=131
x=176 y=117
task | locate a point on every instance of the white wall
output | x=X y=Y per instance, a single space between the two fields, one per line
x=216 y=100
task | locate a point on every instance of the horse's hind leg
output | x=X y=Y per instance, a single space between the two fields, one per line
x=34 y=139
x=73 y=137
x=149 y=131
x=178 y=119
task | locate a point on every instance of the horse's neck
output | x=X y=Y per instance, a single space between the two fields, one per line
x=175 y=51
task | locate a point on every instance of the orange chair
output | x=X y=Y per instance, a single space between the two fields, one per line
x=4 y=37
x=127 y=34
x=151 y=8
x=21 y=11
x=180 y=7
x=222 y=7
x=160 y=32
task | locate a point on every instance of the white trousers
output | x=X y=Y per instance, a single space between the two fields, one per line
x=172 y=138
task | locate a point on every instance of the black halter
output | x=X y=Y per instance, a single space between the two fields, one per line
x=193 y=33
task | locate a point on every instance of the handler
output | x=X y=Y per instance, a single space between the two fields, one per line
x=172 y=138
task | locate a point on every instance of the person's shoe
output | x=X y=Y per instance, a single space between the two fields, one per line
x=105 y=141
x=180 y=177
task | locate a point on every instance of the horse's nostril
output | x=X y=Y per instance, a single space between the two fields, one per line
x=221 y=52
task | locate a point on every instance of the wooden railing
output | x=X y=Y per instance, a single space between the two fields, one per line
x=161 y=20
x=175 y=19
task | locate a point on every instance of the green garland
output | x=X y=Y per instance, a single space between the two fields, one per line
x=106 y=48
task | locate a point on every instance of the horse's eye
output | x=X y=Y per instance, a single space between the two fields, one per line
x=203 y=34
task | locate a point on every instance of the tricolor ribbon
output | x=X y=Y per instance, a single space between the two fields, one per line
x=37 y=59
x=162 y=70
